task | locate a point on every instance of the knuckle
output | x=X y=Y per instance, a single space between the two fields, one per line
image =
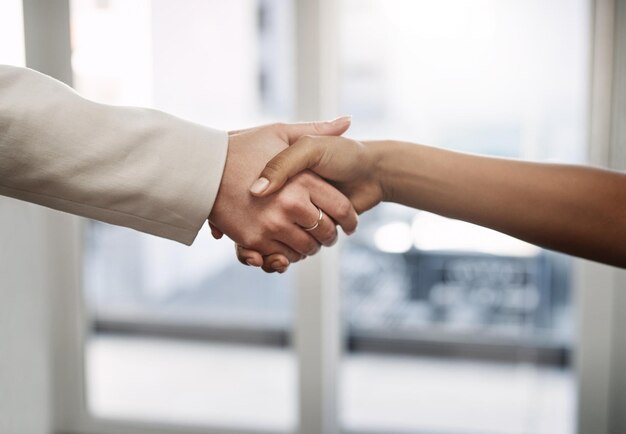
x=330 y=234
x=332 y=241
x=273 y=226
x=344 y=208
x=306 y=140
x=309 y=180
x=312 y=248
x=253 y=240
x=288 y=202
x=277 y=126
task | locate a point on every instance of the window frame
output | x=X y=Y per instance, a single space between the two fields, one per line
x=317 y=329
x=317 y=341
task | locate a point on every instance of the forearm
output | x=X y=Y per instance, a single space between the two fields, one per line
x=127 y=166
x=577 y=210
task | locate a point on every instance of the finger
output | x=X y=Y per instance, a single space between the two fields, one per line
x=278 y=247
x=323 y=229
x=249 y=256
x=275 y=263
x=217 y=234
x=299 y=240
x=335 y=127
x=298 y=209
x=290 y=162
x=361 y=200
x=302 y=155
x=335 y=204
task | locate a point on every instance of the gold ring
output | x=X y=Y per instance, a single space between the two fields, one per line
x=317 y=223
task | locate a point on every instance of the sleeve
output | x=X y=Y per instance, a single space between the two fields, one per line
x=132 y=167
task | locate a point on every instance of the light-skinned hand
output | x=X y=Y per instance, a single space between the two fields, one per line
x=349 y=164
x=273 y=222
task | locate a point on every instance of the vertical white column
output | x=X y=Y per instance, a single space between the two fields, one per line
x=595 y=297
x=618 y=161
x=601 y=293
x=48 y=50
x=317 y=330
x=24 y=358
x=594 y=290
x=316 y=59
x=47 y=37
x=601 y=42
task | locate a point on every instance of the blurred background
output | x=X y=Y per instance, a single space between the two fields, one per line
x=444 y=327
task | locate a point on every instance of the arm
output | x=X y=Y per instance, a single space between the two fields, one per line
x=126 y=166
x=572 y=209
x=153 y=172
x=577 y=210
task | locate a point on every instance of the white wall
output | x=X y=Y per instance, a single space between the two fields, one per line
x=24 y=355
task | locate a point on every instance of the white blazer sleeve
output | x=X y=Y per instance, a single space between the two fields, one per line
x=131 y=167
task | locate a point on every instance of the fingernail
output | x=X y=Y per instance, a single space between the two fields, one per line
x=260 y=185
x=278 y=265
x=341 y=120
x=250 y=263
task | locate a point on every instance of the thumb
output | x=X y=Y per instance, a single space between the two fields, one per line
x=306 y=153
x=322 y=128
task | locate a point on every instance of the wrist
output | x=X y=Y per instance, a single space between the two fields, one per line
x=382 y=154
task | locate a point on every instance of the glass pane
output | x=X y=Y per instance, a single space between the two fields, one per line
x=11 y=33
x=169 y=318
x=453 y=328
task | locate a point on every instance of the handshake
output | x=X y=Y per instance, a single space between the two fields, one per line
x=274 y=206
x=285 y=187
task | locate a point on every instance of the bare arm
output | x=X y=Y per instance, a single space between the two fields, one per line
x=573 y=209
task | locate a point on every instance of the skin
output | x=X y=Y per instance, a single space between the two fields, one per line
x=572 y=209
x=274 y=223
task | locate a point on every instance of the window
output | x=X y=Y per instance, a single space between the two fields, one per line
x=452 y=327
x=12 y=29
x=225 y=64
x=449 y=327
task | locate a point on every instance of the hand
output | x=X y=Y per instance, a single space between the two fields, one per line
x=274 y=223
x=350 y=165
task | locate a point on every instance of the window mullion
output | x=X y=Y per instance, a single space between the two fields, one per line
x=317 y=330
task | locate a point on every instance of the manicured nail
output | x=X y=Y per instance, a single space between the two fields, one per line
x=260 y=185
x=341 y=120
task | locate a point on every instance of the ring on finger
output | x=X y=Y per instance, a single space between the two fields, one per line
x=319 y=221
